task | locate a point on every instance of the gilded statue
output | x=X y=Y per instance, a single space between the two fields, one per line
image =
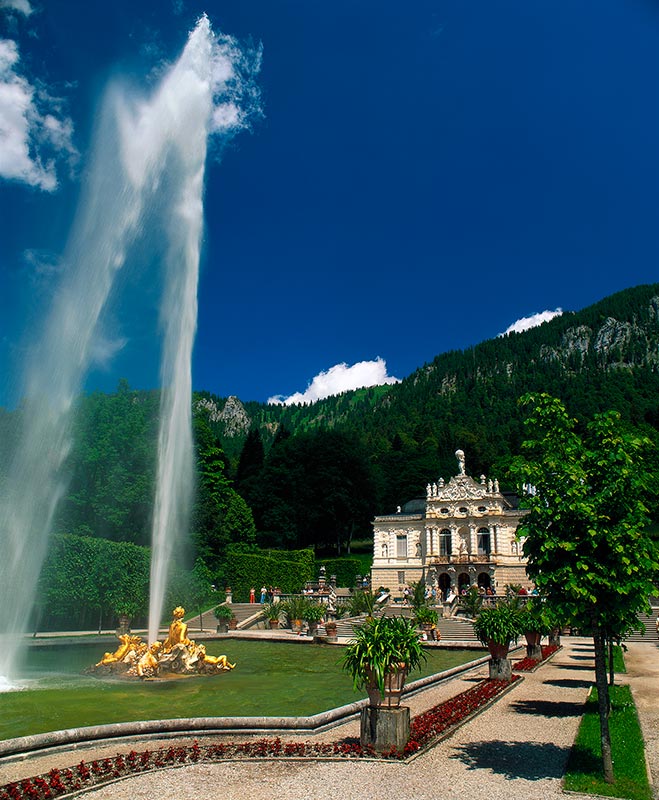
x=147 y=666
x=221 y=662
x=128 y=643
x=178 y=631
x=176 y=654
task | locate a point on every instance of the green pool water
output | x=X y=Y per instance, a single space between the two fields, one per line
x=270 y=679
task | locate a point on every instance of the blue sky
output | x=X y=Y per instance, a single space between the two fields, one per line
x=423 y=175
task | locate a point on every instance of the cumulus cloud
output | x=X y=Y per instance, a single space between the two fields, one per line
x=34 y=133
x=340 y=378
x=16 y=5
x=533 y=321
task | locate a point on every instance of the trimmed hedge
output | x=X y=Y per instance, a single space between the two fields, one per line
x=305 y=556
x=345 y=569
x=246 y=570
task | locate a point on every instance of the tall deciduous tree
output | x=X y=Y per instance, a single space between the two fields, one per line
x=584 y=532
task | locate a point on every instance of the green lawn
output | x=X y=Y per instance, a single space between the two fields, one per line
x=584 y=769
x=270 y=679
x=618 y=659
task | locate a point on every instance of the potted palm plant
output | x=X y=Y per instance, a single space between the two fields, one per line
x=496 y=628
x=535 y=624
x=272 y=612
x=223 y=615
x=362 y=602
x=294 y=610
x=427 y=618
x=313 y=614
x=383 y=652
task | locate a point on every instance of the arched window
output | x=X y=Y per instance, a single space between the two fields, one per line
x=445 y=542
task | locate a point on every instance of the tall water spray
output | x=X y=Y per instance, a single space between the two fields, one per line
x=147 y=174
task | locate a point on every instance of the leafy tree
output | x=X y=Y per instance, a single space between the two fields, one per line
x=220 y=515
x=584 y=532
x=84 y=574
x=250 y=463
x=112 y=466
x=315 y=489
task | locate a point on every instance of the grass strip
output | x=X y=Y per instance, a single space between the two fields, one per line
x=584 y=768
x=618 y=659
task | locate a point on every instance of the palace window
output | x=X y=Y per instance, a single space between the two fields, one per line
x=401 y=546
x=484 y=542
x=445 y=542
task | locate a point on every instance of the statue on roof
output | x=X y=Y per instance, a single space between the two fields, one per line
x=459 y=454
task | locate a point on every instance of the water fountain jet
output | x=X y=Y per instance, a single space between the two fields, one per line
x=141 y=146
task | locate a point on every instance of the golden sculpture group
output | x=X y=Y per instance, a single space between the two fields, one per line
x=177 y=654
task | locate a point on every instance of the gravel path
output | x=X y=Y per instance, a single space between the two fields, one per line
x=517 y=749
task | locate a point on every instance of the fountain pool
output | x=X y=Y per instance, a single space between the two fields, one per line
x=270 y=679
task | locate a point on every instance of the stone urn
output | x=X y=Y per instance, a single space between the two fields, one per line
x=124 y=625
x=501 y=668
x=330 y=629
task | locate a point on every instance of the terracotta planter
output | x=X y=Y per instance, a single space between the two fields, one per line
x=498 y=651
x=313 y=628
x=533 y=649
x=233 y=624
x=393 y=688
x=274 y=623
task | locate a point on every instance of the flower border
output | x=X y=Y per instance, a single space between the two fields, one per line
x=426 y=729
x=527 y=664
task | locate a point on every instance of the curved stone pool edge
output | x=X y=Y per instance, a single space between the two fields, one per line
x=74 y=738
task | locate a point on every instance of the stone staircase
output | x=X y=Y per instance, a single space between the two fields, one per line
x=650 y=622
x=242 y=612
x=451 y=630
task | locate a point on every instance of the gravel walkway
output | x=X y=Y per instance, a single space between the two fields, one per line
x=517 y=749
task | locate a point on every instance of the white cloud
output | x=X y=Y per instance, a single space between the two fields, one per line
x=17 y=5
x=34 y=134
x=533 y=321
x=340 y=378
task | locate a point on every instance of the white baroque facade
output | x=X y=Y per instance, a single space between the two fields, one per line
x=462 y=534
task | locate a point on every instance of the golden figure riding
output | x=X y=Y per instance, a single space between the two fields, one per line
x=177 y=654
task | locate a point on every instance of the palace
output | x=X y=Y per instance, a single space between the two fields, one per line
x=462 y=534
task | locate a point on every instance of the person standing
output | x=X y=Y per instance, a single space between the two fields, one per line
x=252 y=595
x=264 y=593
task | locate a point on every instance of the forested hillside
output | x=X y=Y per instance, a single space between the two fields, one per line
x=603 y=357
x=314 y=475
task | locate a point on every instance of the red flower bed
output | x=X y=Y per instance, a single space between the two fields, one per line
x=529 y=664
x=423 y=730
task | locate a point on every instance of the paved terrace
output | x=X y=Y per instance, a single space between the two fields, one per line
x=517 y=749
